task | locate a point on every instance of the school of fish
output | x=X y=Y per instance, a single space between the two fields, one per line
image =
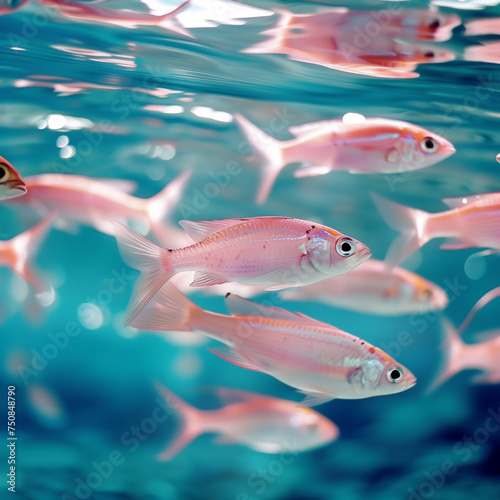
x=303 y=260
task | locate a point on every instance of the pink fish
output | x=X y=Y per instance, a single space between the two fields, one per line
x=17 y=252
x=472 y=221
x=346 y=41
x=318 y=359
x=262 y=423
x=274 y=251
x=357 y=144
x=85 y=12
x=374 y=289
x=99 y=202
x=12 y=184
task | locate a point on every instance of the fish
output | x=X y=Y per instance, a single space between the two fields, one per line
x=472 y=221
x=12 y=185
x=372 y=288
x=99 y=202
x=320 y=360
x=354 y=143
x=498 y=158
x=274 y=251
x=17 y=252
x=358 y=42
x=117 y=17
x=262 y=423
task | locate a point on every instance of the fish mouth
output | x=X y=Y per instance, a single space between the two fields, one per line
x=364 y=254
x=16 y=188
x=449 y=149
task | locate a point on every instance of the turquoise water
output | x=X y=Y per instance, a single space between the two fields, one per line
x=89 y=98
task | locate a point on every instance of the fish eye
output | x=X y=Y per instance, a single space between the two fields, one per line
x=3 y=173
x=429 y=145
x=394 y=375
x=435 y=24
x=345 y=247
x=429 y=54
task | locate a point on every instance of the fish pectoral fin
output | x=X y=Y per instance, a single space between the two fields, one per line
x=311 y=171
x=229 y=354
x=238 y=306
x=315 y=398
x=206 y=279
x=454 y=244
x=67 y=226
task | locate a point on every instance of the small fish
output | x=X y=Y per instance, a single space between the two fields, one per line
x=99 y=202
x=354 y=143
x=274 y=251
x=12 y=184
x=374 y=289
x=498 y=157
x=262 y=423
x=318 y=359
x=472 y=221
x=17 y=252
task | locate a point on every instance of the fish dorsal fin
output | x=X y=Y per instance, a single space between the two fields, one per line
x=199 y=230
x=123 y=185
x=461 y=201
x=315 y=127
x=238 y=306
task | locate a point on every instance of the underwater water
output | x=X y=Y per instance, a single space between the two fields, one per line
x=144 y=103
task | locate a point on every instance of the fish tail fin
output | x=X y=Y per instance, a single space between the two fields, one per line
x=160 y=206
x=151 y=260
x=170 y=310
x=191 y=426
x=277 y=36
x=24 y=247
x=484 y=300
x=452 y=356
x=411 y=222
x=169 y=22
x=270 y=149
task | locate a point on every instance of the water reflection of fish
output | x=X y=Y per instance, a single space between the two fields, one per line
x=263 y=423
x=472 y=221
x=367 y=43
x=318 y=359
x=12 y=184
x=374 y=289
x=274 y=251
x=354 y=143
x=82 y=11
